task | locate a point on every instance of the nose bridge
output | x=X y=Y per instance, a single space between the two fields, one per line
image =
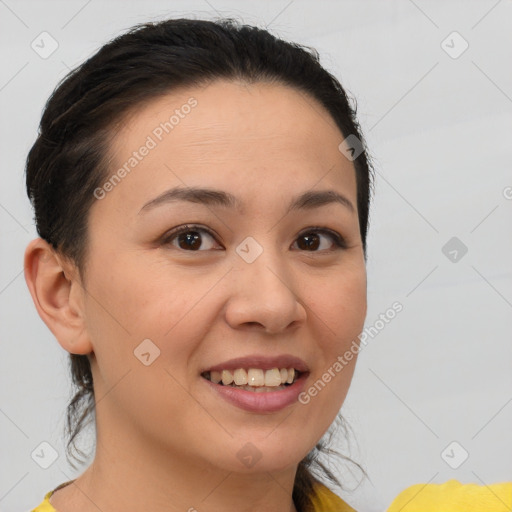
x=263 y=291
x=261 y=259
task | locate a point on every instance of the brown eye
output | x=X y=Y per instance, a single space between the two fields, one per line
x=190 y=238
x=311 y=240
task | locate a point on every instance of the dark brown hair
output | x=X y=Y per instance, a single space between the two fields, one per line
x=68 y=161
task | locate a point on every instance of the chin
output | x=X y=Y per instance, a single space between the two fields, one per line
x=259 y=456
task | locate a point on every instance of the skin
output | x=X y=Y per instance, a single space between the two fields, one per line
x=165 y=441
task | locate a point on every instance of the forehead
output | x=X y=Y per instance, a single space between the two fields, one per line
x=260 y=135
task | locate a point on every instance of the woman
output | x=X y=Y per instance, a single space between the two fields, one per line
x=201 y=192
x=202 y=225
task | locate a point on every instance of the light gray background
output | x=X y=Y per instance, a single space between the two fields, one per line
x=439 y=129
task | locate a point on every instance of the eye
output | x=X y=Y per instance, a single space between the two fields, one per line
x=189 y=238
x=312 y=241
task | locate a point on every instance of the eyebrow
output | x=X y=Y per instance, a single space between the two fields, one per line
x=212 y=197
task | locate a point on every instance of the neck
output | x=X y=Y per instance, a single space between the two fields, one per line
x=128 y=475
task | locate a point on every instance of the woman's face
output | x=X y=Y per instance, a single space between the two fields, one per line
x=253 y=279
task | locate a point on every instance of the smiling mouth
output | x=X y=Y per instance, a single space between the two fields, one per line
x=254 y=379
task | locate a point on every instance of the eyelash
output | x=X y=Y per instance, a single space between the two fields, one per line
x=337 y=239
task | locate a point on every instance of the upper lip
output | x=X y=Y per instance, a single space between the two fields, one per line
x=262 y=362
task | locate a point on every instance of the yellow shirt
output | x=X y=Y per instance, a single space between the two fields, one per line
x=326 y=501
x=451 y=496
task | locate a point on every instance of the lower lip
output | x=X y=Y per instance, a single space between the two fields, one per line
x=265 y=401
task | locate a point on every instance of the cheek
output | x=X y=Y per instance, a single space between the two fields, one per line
x=339 y=315
x=127 y=305
x=133 y=301
x=132 y=296
x=341 y=305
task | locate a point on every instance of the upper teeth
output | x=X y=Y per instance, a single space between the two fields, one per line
x=254 y=377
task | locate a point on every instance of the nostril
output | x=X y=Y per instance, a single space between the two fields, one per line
x=253 y=324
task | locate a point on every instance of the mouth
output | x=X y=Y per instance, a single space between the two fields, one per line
x=258 y=383
x=249 y=389
x=257 y=380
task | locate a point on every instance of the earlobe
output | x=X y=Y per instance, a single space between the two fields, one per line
x=55 y=288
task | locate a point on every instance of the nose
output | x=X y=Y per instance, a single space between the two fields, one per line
x=263 y=295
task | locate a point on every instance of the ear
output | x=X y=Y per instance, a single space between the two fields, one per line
x=57 y=292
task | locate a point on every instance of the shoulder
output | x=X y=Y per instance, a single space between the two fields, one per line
x=454 y=496
x=325 y=500
x=45 y=505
